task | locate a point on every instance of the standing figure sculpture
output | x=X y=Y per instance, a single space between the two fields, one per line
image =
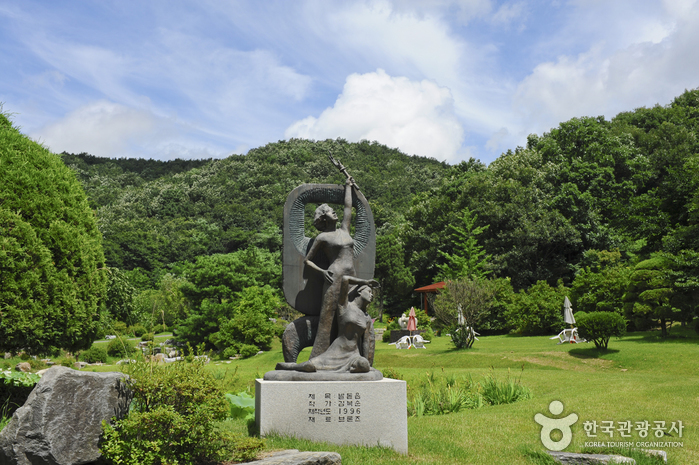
x=338 y=247
x=318 y=274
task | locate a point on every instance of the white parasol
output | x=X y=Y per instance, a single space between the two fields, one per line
x=568 y=312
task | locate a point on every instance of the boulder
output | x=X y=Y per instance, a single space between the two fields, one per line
x=294 y=457
x=24 y=367
x=571 y=458
x=61 y=421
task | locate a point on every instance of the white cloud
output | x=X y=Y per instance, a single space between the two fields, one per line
x=465 y=10
x=101 y=128
x=410 y=44
x=508 y=13
x=601 y=81
x=417 y=117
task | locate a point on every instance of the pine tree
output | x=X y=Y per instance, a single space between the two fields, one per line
x=469 y=260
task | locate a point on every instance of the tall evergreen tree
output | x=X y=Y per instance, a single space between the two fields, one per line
x=469 y=260
x=52 y=278
x=394 y=277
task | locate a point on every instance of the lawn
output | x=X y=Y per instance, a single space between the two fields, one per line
x=640 y=378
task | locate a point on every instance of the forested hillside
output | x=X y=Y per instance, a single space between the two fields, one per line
x=587 y=209
x=153 y=213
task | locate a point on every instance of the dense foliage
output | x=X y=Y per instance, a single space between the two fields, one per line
x=630 y=184
x=599 y=327
x=582 y=204
x=219 y=289
x=51 y=262
x=173 y=418
x=537 y=310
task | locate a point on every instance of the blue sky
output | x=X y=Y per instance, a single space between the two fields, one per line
x=449 y=79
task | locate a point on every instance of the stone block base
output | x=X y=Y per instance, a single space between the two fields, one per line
x=368 y=413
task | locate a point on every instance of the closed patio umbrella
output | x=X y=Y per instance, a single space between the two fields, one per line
x=412 y=320
x=568 y=312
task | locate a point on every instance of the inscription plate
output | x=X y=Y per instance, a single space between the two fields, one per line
x=366 y=413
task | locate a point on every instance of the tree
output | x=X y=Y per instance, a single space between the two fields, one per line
x=165 y=305
x=250 y=324
x=601 y=286
x=469 y=259
x=473 y=297
x=120 y=297
x=51 y=261
x=394 y=277
x=212 y=288
x=598 y=327
x=648 y=299
x=663 y=289
x=538 y=310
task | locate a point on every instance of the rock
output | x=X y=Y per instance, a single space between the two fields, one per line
x=569 y=458
x=79 y=365
x=294 y=457
x=61 y=421
x=660 y=454
x=24 y=367
x=172 y=354
x=8 y=355
x=159 y=357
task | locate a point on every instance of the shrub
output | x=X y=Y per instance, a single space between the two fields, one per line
x=248 y=350
x=229 y=352
x=173 y=417
x=138 y=330
x=119 y=327
x=461 y=337
x=250 y=324
x=95 y=354
x=15 y=387
x=157 y=329
x=600 y=326
x=121 y=347
x=537 y=310
x=386 y=337
x=147 y=337
x=37 y=364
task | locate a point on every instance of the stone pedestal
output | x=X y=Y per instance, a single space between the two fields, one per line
x=368 y=413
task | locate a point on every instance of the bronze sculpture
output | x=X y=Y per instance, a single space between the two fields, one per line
x=329 y=279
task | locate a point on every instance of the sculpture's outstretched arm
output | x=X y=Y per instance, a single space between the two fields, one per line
x=347 y=215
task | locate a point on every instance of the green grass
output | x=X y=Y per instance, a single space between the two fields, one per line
x=641 y=377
